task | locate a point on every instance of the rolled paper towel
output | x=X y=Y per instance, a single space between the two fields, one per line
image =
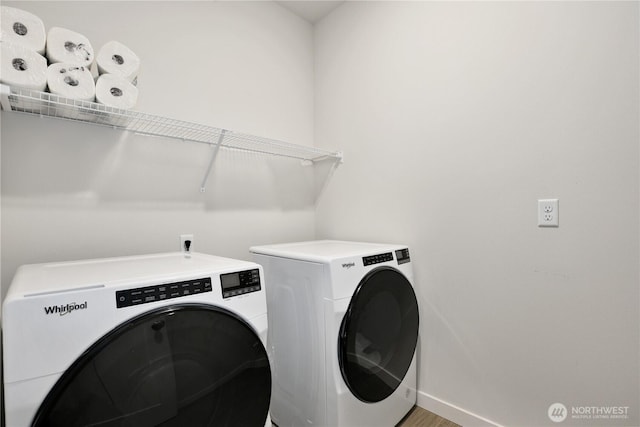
x=71 y=81
x=21 y=27
x=69 y=47
x=116 y=91
x=116 y=58
x=22 y=67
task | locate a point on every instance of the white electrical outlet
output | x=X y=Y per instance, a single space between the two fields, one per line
x=548 y=213
x=184 y=246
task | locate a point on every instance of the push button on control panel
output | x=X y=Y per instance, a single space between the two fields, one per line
x=129 y=297
x=377 y=259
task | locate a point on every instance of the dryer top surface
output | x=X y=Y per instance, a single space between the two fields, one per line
x=323 y=251
x=34 y=279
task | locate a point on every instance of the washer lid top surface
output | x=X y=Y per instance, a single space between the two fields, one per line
x=323 y=251
x=43 y=278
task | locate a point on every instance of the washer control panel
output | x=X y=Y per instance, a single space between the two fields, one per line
x=377 y=259
x=239 y=283
x=129 y=297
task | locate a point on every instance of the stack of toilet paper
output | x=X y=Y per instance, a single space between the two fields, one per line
x=118 y=67
x=70 y=56
x=23 y=42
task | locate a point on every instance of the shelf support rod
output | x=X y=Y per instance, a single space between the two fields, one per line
x=216 y=148
x=5 y=91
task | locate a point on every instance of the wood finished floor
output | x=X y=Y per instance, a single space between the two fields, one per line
x=419 y=417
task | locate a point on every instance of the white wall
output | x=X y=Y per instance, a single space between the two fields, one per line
x=455 y=118
x=72 y=191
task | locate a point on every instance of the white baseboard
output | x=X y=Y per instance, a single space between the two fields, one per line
x=452 y=412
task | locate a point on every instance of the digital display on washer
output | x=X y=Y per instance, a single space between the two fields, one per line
x=239 y=283
x=129 y=297
x=402 y=256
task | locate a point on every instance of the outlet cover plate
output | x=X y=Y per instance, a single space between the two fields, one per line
x=548 y=213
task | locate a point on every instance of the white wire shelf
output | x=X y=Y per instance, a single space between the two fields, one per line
x=50 y=105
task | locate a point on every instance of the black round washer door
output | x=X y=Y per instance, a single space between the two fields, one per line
x=184 y=365
x=378 y=335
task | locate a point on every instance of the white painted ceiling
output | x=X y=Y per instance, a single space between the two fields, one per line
x=311 y=10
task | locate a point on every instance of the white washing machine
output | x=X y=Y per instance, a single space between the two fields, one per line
x=343 y=330
x=154 y=340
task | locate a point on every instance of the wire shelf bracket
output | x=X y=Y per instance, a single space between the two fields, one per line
x=216 y=148
x=50 y=105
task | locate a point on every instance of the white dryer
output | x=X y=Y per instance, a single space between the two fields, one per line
x=154 y=340
x=343 y=330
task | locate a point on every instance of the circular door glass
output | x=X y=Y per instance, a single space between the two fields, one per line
x=378 y=335
x=185 y=365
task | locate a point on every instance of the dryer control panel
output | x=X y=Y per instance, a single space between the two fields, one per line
x=129 y=297
x=377 y=259
x=239 y=283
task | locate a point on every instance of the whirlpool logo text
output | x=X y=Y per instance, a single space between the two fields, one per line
x=65 y=309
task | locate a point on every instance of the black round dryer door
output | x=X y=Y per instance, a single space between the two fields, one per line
x=378 y=335
x=184 y=365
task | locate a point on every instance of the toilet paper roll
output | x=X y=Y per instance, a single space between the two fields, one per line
x=21 y=27
x=71 y=81
x=116 y=91
x=22 y=67
x=116 y=58
x=69 y=47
